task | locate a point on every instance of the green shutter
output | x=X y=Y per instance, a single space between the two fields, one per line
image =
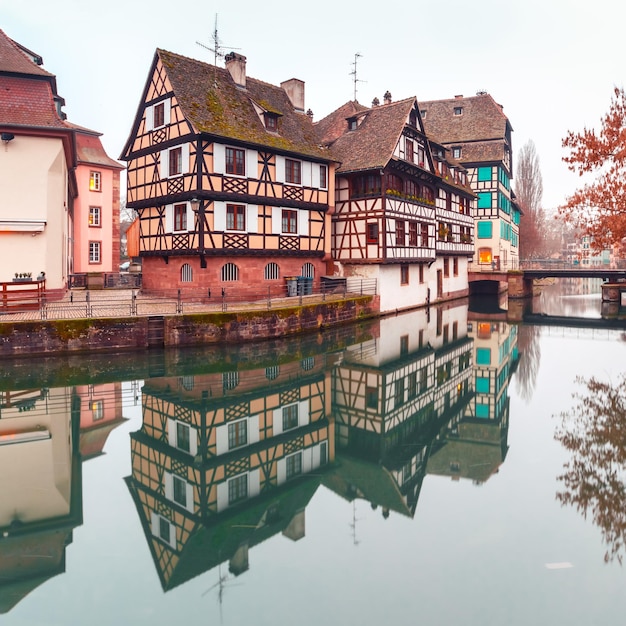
x=484 y=199
x=484 y=174
x=485 y=230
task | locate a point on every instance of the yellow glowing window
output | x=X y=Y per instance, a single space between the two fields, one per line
x=94 y=181
x=484 y=255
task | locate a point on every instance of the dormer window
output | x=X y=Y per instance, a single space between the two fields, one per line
x=352 y=123
x=271 y=121
x=458 y=110
x=456 y=152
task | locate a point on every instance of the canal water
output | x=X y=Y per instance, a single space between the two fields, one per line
x=438 y=467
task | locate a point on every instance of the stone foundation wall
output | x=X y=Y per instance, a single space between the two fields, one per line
x=134 y=333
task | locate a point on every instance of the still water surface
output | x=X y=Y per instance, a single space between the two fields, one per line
x=411 y=470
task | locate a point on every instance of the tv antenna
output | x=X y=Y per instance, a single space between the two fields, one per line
x=354 y=73
x=218 y=47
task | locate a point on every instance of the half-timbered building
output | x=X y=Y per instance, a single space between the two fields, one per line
x=228 y=179
x=225 y=460
x=401 y=216
x=392 y=395
x=478 y=133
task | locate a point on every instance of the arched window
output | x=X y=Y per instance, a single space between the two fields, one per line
x=230 y=272
x=308 y=363
x=272 y=271
x=186 y=273
x=308 y=270
x=272 y=372
x=230 y=380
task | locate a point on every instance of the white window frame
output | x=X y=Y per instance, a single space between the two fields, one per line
x=167 y=115
x=95 y=212
x=164 y=168
x=95 y=252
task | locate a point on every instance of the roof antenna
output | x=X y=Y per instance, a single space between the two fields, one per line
x=354 y=73
x=217 y=48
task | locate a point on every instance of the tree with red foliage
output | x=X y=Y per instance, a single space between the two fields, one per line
x=598 y=208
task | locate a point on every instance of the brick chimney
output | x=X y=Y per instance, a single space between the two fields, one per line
x=387 y=98
x=236 y=65
x=295 y=90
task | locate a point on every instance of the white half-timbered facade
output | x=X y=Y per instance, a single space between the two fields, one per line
x=478 y=135
x=393 y=395
x=231 y=188
x=388 y=208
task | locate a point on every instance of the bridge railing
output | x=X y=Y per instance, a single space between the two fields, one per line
x=496 y=266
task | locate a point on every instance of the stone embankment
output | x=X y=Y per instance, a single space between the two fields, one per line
x=123 y=331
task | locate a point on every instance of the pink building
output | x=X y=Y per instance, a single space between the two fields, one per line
x=96 y=236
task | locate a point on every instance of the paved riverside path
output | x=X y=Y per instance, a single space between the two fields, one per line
x=112 y=303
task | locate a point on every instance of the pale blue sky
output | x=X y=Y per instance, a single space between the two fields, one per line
x=552 y=64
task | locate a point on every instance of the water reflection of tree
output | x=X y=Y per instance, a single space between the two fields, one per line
x=530 y=357
x=594 y=479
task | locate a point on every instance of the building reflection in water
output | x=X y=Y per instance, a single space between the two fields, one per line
x=42 y=433
x=231 y=455
x=227 y=459
x=224 y=460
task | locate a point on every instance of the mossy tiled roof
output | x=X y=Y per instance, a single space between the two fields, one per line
x=214 y=104
x=373 y=142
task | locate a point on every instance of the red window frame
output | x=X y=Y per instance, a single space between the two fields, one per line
x=293 y=172
x=180 y=217
x=289 y=222
x=236 y=161
x=235 y=217
x=159 y=115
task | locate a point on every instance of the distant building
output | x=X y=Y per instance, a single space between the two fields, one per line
x=47 y=166
x=478 y=133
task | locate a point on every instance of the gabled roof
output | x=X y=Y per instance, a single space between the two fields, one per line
x=213 y=104
x=14 y=59
x=89 y=149
x=372 y=144
x=482 y=127
x=28 y=96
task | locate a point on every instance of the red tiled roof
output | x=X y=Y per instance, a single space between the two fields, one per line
x=26 y=101
x=89 y=149
x=372 y=144
x=14 y=60
x=482 y=119
x=212 y=102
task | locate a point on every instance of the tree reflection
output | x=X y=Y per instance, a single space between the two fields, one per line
x=595 y=433
x=530 y=357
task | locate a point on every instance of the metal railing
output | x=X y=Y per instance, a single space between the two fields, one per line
x=101 y=303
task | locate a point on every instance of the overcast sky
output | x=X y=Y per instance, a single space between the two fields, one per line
x=552 y=64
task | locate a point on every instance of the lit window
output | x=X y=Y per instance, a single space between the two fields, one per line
x=293 y=172
x=289 y=221
x=235 y=161
x=484 y=255
x=94 y=216
x=97 y=410
x=235 y=217
x=180 y=217
x=94 y=251
x=94 y=181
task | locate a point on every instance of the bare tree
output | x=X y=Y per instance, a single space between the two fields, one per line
x=529 y=193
